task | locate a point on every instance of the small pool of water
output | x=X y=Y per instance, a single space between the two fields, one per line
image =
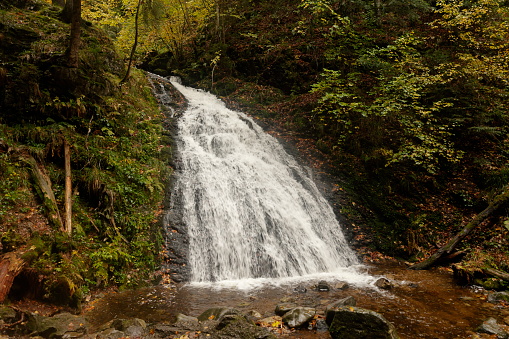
x=423 y=304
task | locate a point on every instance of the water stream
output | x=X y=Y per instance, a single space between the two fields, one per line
x=252 y=213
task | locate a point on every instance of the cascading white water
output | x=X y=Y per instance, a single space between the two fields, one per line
x=251 y=210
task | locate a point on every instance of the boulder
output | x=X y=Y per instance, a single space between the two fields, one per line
x=59 y=326
x=282 y=308
x=491 y=327
x=299 y=316
x=216 y=313
x=349 y=322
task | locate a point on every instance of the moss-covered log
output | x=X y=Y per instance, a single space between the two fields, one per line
x=451 y=245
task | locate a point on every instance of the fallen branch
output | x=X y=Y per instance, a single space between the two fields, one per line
x=478 y=219
x=496 y=273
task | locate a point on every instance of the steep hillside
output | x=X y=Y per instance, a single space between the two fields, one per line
x=117 y=152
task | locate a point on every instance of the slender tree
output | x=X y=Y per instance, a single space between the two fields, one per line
x=135 y=43
x=74 y=6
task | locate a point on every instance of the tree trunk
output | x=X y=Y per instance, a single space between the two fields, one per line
x=68 y=188
x=478 y=219
x=11 y=265
x=135 y=43
x=74 y=45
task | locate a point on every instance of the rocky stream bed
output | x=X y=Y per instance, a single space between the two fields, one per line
x=408 y=304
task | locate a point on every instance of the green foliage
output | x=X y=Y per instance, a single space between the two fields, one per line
x=118 y=175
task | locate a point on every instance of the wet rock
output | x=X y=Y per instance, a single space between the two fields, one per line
x=300 y=289
x=269 y=321
x=217 y=313
x=131 y=327
x=348 y=301
x=237 y=326
x=323 y=286
x=321 y=325
x=7 y=315
x=350 y=322
x=384 y=284
x=497 y=297
x=59 y=326
x=282 y=308
x=185 y=318
x=299 y=316
x=254 y=314
x=341 y=285
x=110 y=333
x=490 y=326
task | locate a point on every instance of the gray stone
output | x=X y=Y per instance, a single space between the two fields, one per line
x=254 y=314
x=341 y=285
x=497 y=297
x=383 y=284
x=131 y=327
x=490 y=326
x=7 y=314
x=237 y=326
x=217 y=313
x=185 y=318
x=299 y=316
x=56 y=326
x=348 y=301
x=110 y=333
x=349 y=322
x=282 y=308
x=323 y=286
x=321 y=325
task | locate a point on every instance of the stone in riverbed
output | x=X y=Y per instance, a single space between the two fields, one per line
x=348 y=322
x=384 y=284
x=299 y=316
x=348 y=301
x=57 y=326
x=491 y=327
x=131 y=327
x=282 y=308
x=237 y=326
x=217 y=313
x=497 y=297
x=185 y=318
x=323 y=286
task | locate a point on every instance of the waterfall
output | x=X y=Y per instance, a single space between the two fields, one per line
x=250 y=209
